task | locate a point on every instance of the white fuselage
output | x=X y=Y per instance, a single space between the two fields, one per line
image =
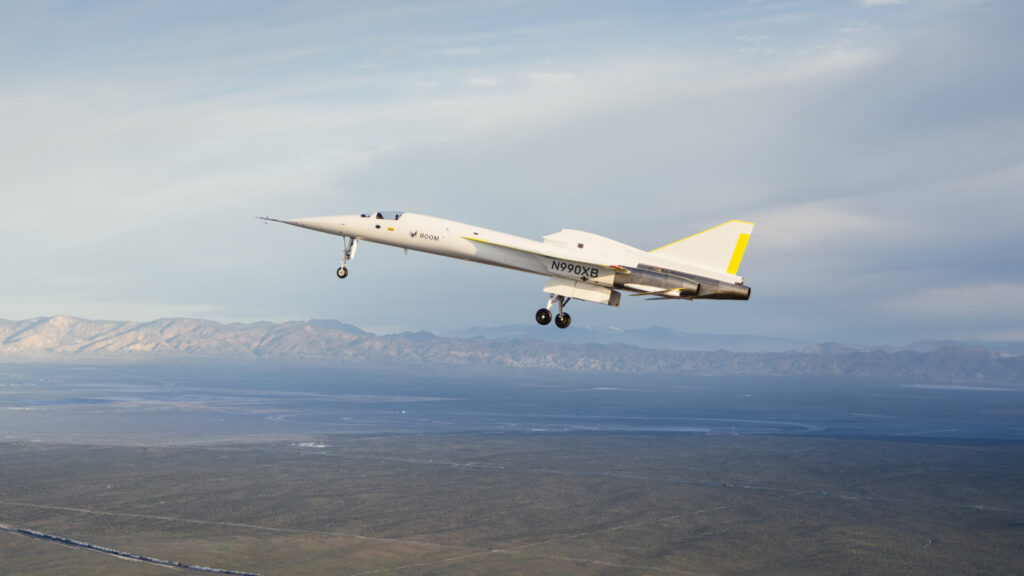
x=571 y=254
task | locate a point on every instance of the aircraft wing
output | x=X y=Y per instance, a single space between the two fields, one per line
x=551 y=250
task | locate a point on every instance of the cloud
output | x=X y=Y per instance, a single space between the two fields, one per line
x=458 y=51
x=831 y=225
x=551 y=79
x=483 y=81
x=984 y=301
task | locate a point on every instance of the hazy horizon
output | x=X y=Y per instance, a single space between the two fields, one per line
x=654 y=336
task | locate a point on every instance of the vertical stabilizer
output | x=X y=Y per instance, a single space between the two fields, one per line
x=720 y=248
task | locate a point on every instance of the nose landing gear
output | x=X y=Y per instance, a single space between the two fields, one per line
x=562 y=320
x=350 y=253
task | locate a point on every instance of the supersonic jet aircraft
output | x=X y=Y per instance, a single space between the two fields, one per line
x=578 y=264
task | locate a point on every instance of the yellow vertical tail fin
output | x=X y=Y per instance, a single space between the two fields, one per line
x=720 y=248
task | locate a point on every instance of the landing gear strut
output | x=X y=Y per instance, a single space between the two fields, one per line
x=350 y=253
x=562 y=320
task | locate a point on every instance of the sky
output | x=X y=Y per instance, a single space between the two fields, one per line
x=878 y=147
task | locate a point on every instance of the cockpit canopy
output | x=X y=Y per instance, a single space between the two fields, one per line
x=389 y=215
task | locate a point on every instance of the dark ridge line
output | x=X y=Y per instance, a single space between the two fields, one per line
x=119 y=554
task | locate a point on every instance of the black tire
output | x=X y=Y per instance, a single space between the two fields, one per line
x=563 y=320
x=543 y=316
x=342 y=272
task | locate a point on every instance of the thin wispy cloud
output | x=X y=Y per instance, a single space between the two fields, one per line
x=982 y=303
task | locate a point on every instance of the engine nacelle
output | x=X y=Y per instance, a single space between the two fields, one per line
x=723 y=292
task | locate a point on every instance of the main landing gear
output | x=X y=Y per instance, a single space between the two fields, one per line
x=350 y=253
x=562 y=320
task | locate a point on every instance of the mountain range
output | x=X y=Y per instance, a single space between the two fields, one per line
x=654 y=337
x=69 y=339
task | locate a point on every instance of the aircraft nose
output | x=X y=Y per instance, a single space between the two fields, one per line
x=328 y=224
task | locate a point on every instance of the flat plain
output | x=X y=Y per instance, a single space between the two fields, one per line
x=570 y=503
x=303 y=470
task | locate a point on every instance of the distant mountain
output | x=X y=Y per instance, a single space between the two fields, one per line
x=68 y=339
x=654 y=337
x=1009 y=347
